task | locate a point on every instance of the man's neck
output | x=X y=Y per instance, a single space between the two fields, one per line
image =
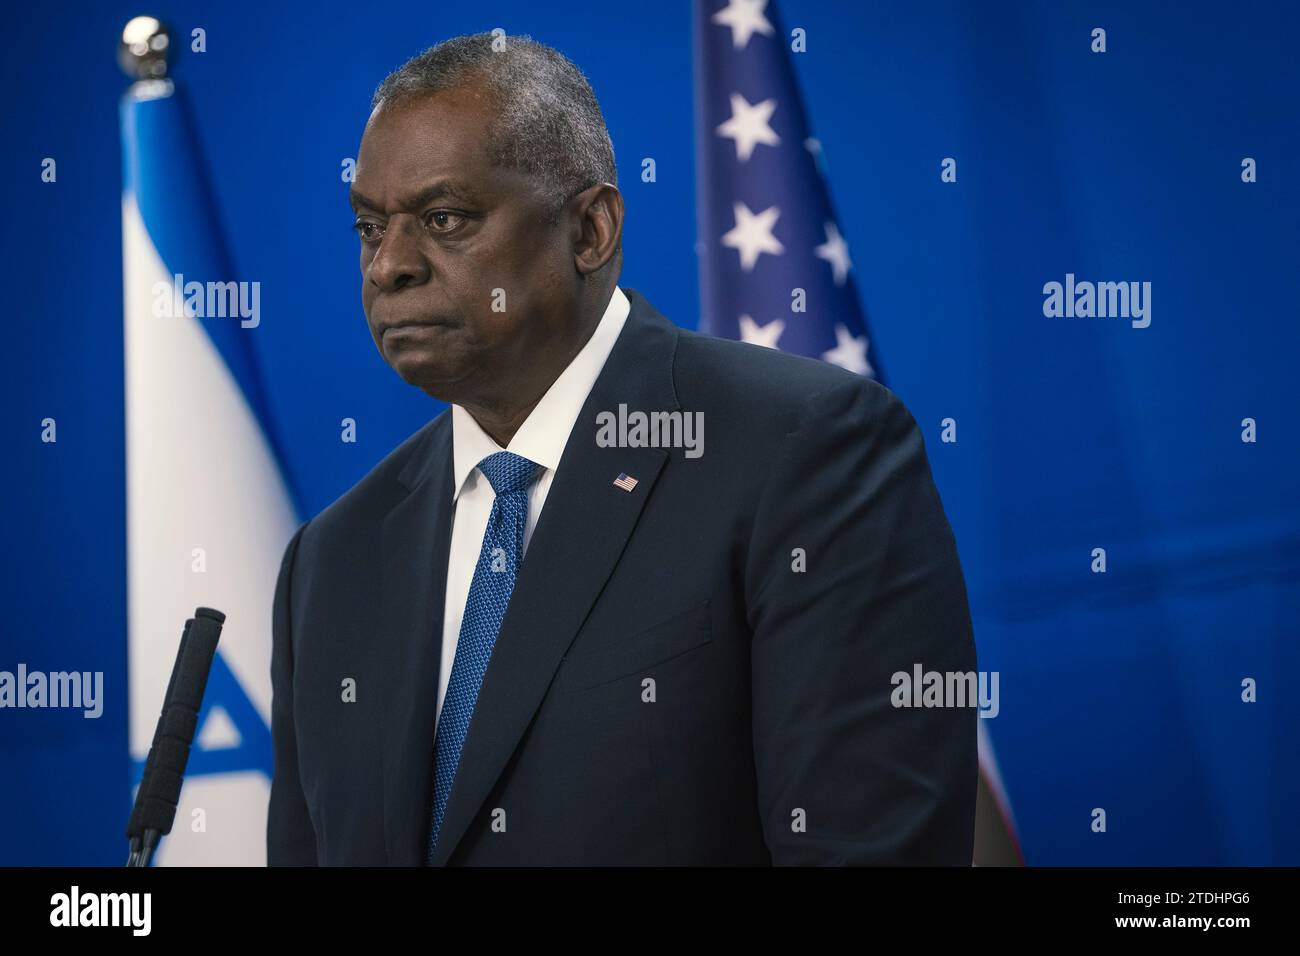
x=501 y=426
x=502 y=422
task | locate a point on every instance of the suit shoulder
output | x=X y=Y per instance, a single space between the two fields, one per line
x=377 y=490
x=766 y=381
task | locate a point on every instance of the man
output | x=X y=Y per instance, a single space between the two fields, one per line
x=537 y=633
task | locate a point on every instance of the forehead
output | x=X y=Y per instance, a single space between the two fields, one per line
x=432 y=135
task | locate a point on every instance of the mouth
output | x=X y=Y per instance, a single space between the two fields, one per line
x=412 y=325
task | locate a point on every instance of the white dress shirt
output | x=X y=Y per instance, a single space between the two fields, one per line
x=541 y=438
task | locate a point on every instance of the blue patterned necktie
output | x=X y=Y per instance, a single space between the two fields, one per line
x=489 y=594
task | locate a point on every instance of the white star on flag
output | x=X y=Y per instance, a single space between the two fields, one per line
x=748 y=125
x=745 y=18
x=835 y=251
x=764 y=335
x=849 y=352
x=752 y=235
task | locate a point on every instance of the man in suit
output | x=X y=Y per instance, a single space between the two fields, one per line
x=527 y=639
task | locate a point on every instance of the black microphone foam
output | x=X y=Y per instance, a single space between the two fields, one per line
x=134 y=827
x=164 y=773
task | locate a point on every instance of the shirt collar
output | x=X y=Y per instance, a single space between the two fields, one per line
x=544 y=433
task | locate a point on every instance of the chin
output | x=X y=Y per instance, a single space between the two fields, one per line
x=431 y=377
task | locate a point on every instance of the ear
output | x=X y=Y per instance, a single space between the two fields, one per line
x=597 y=217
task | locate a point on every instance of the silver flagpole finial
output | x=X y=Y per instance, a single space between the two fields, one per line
x=143 y=50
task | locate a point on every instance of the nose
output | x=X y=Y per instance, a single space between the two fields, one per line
x=399 y=261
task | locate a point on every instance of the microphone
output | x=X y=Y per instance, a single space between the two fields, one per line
x=134 y=829
x=154 y=811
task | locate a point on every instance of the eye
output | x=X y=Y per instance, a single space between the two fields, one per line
x=368 y=231
x=443 y=220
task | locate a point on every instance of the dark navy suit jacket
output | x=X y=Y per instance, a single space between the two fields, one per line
x=666 y=686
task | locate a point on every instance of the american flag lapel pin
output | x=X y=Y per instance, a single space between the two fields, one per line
x=626 y=482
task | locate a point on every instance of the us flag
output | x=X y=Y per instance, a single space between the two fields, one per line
x=775 y=268
x=766 y=225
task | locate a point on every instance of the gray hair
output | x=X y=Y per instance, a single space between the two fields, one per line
x=548 y=122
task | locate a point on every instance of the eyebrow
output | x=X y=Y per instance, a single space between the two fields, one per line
x=443 y=188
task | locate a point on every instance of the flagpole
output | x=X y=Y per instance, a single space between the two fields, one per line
x=142 y=52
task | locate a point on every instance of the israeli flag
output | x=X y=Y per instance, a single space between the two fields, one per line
x=209 y=511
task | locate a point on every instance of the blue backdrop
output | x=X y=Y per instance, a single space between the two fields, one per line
x=1119 y=690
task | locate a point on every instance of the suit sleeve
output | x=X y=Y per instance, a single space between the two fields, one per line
x=290 y=838
x=845 y=777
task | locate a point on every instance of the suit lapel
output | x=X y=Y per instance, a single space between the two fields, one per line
x=582 y=530
x=416 y=538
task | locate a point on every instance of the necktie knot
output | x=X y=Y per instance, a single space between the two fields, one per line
x=507 y=472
